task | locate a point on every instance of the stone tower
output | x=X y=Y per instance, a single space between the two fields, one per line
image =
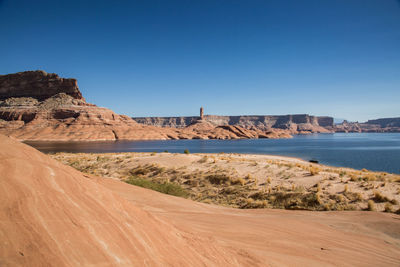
x=201 y=113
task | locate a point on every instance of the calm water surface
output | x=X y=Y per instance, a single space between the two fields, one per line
x=373 y=151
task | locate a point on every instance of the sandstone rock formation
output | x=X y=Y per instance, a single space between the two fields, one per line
x=35 y=105
x=301 y=123
x=37 y=84
x=385 y=122
x=293 y=124
x=206 y=130
x=371 y=126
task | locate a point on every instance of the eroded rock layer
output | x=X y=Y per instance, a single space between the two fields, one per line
x=299 y=123
x=371 y=126
x=37 y=84
x=35 y=105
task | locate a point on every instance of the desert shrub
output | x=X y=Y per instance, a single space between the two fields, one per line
x=346 y=188
x=240 y=181
x=218 y=178
x=378 y=197
x=299 y=189
x=318 y=187
x=139 y=171
x=254 y=204
x=259 y=196
x=147 y=169
x=165 y=187
x=314 y=170
x=186 y=151
x=101 y=159
x=292 y=200
x=369 y=177
x=203 y=159
x=388 y=207
x=371 y=205
x=353 y=196
x=354 y=177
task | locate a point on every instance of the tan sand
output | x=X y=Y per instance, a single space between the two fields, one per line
x=250 y=180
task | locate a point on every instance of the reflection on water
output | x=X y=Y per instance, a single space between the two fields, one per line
x=373 y=151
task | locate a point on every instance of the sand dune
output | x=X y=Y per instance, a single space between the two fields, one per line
x=53 y=215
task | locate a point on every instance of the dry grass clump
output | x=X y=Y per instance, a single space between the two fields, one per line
x=219 y=178
x=314 y=170
x=152 y=169
x=203 y=159
x=371 y=205
x=353 y=197
x=284 y=199
x=388 y=207
x=378 y=197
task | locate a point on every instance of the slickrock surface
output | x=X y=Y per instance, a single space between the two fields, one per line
x=35 y=105
x=53 y=215
x=279 y=237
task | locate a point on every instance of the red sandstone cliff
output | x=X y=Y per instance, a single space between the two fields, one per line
x=35 y=105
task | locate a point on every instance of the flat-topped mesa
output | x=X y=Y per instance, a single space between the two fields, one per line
x=296 y=122
x=385 y=122
x=37 y=84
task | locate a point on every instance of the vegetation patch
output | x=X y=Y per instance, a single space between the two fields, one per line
x=246 y=182
x=166 y=187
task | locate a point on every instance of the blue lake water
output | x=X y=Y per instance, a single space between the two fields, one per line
x=373 y=151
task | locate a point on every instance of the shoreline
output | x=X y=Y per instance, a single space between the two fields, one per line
x=301 y=147
x=247 y=180
x=182 y=139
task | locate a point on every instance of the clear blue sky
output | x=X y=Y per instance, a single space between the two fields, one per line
x=167 y=58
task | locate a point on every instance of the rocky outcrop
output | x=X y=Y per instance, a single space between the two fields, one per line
x=174 y=122
x=37 y=84
x=385 y=122
x=61 y=117
x=35 y=105
x=301 y=123
x=205 y=130
x=371 y=126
